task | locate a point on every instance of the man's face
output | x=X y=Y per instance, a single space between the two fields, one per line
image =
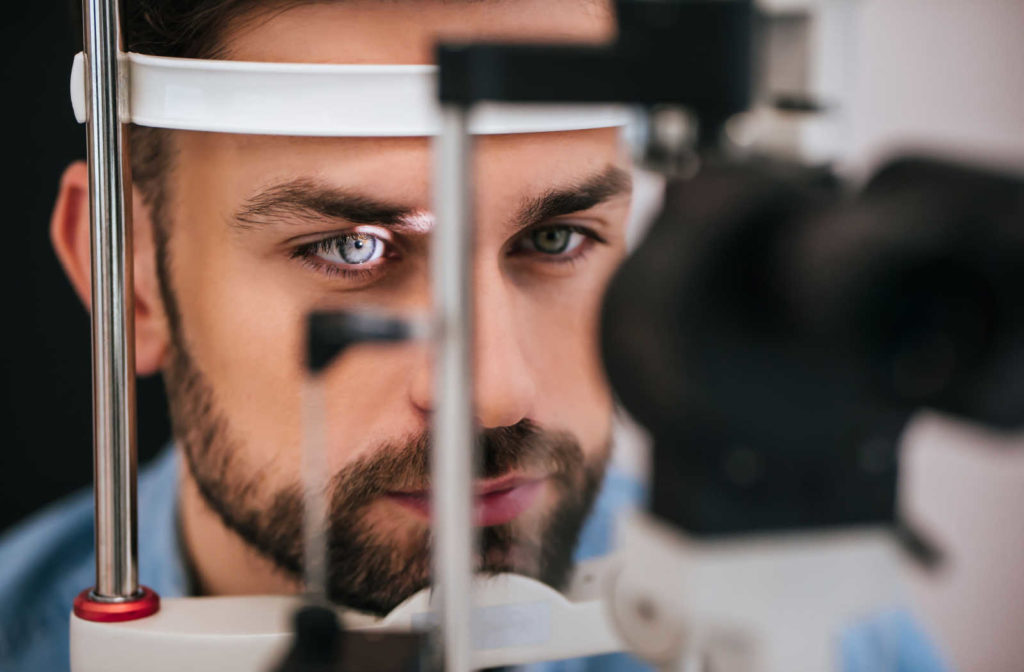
x=263 y=229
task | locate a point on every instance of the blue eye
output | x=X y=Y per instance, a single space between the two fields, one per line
x=350 y=249
x=554 y=240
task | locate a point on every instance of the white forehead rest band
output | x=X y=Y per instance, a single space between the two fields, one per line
x=316 y=99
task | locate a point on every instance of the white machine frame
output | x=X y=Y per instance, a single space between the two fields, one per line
x=312 y=99
x=515 y=621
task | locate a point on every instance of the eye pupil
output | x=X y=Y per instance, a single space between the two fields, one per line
x=357 y=248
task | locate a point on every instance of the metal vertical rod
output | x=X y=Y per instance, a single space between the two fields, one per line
x=314 y=487
x=113 y=351
x=454 y=436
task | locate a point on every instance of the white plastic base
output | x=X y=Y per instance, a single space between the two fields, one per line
x=516 y=621
x=750 y=603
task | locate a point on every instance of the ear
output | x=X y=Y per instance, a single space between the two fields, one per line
x=70 y=234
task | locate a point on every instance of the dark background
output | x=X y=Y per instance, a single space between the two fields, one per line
x=46 y=449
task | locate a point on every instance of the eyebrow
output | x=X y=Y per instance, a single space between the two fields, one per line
x=590 y=192
x=307 y=199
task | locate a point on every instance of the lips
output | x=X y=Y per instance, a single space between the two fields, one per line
x=496 y=501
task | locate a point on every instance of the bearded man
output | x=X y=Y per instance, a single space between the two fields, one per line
x=238 y=237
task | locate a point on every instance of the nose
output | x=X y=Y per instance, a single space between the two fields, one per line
x=504 y=388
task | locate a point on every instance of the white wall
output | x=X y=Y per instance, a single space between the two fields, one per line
x=942 y=74
x=965 y=488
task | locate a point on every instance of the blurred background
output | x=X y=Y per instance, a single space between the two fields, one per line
x=46 y=408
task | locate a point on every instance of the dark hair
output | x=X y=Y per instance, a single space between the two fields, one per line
x=190 y=28
x=180 y=28
x=183 y=29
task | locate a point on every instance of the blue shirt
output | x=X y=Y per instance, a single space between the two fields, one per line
x=48 y=559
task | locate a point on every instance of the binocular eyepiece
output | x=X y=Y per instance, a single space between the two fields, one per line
x=774 y=333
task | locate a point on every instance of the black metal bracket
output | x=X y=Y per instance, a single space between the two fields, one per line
x=330 y=333
x=694 y=53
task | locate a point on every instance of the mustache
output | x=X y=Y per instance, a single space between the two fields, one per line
x=405 y=466
x=375 y=573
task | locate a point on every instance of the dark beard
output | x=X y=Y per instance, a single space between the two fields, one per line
x=369 y=571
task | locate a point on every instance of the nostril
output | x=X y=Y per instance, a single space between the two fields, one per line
x=503 y=399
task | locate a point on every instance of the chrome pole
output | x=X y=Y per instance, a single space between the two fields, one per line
x=454 y=437
x=113 y=351
x=315 y=481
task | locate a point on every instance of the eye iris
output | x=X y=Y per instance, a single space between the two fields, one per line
x=551 y=241
x=357 y=248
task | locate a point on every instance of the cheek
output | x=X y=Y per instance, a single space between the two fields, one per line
x=243 y=323
x=560 y=341
x=243 y=330
x=366 y=403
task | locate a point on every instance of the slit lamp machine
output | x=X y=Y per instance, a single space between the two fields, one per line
x=770 y=312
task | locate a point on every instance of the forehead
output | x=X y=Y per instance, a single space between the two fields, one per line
x=233 y=167
x=388 y=31
x=405 y=31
